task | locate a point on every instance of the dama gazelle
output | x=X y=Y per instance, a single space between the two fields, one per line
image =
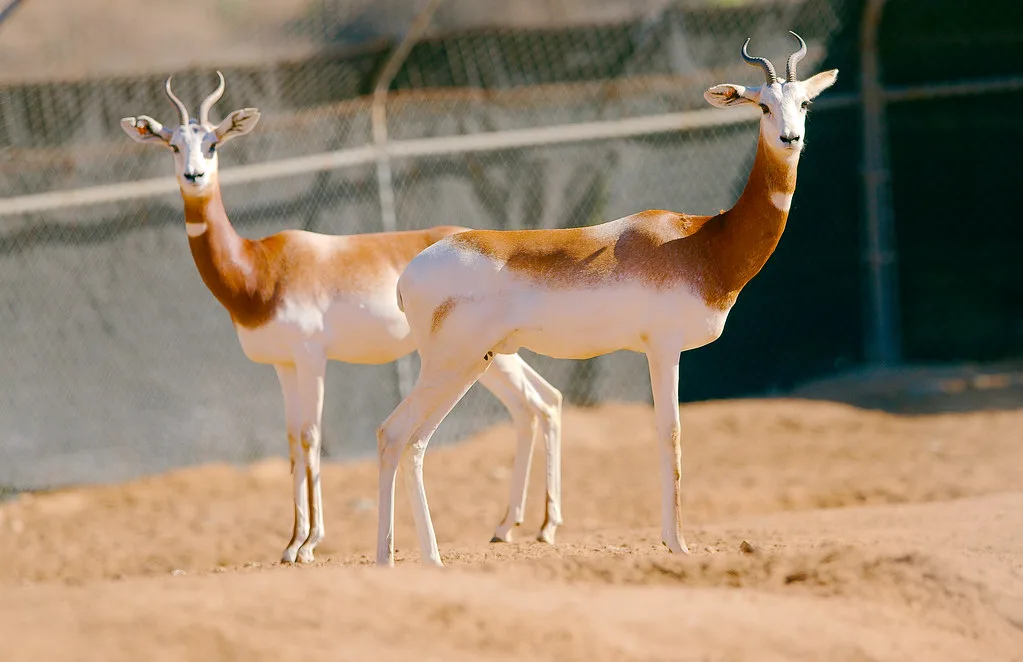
x=298 y=299
x=657 y=282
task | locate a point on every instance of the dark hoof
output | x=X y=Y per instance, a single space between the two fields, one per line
x=496 y=539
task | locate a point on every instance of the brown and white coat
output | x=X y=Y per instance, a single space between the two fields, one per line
x=298 y=299
x=656 y=282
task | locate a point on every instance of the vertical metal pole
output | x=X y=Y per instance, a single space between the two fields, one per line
x=385 y=186
x=882 y=316
x=8 y=9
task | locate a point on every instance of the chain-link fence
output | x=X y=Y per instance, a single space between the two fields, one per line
x=117 y=361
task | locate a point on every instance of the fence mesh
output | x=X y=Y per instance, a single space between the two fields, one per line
x=118 y=362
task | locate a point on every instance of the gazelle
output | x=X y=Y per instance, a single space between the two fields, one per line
x=656 y=282
x=298 y=299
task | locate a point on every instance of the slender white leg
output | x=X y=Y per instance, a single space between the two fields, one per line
x=505 y=379
x=518 y=386
x=550 y=429
x=389 y=451
x=288 y=377
x=412 y=475
x=664 y=383
x=413 y=422
x=393 y=438
x=311 y=371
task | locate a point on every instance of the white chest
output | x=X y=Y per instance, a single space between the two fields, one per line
x=357 y=330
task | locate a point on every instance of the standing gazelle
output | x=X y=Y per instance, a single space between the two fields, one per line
x=657 y=282
x=299 y=299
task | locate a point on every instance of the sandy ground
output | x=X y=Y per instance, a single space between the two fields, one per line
x=872 y=537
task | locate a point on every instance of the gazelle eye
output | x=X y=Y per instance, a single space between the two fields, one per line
x=763 y=107
x=213 y=148
x=174 y=148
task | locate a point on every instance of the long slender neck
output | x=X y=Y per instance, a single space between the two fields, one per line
x=226 y=260
x=748 y=233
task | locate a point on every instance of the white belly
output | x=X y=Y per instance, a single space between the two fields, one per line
x=353 y=331
x=586 y=323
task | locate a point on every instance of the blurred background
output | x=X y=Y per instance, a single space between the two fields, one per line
x=901 y=253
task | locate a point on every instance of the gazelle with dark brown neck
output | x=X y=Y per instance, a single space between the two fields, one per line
x=298 y=299
x=657 y=282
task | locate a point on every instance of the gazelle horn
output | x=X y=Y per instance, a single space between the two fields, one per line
x=790 y=66
x=207 y=103
x=176 y=101
x=761 y=62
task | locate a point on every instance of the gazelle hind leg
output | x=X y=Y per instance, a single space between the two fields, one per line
x=403 y=438
x=505 y=379
x=664 y=384
x=288 y=377
x=550 y=429
x=535 y=407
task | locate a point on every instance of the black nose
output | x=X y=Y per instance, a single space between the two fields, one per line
x=790 y=139
x=192 y=176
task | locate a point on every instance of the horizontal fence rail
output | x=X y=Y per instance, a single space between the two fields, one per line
x=479 y=142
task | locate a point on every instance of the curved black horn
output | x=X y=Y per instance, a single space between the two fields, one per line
x=207 y=103
x=761 y=62
x=176 y=101
x=790 y=66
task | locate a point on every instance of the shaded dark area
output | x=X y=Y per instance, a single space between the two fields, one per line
x=955 y=181
x=959 y=230
x=921 y=390
x=802 y=316
x=955 y=197
x=935 y=41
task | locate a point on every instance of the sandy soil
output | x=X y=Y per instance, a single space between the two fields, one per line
x=870 y=537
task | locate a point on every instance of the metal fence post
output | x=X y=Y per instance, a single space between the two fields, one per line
x=8 y=9
x=882 y=345
x=385 y=185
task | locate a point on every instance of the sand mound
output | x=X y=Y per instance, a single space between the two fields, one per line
x=843 y=602
x=740 y=458
x=817 y=531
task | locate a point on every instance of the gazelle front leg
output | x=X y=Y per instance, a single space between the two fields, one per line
x=302 y=385
x=311 y=369
x=664 y=384
x=288 y=377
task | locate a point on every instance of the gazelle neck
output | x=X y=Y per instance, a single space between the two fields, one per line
x=750 y=231
x=225 y=260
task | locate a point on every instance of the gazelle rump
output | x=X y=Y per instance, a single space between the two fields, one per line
x=656 y=282
x=298 y=299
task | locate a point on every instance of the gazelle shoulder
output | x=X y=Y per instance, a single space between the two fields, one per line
x=669 y=224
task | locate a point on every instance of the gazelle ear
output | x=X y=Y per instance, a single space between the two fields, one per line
x=814 y=85
x=727 y=95
x=236 y=124
x=145 y=129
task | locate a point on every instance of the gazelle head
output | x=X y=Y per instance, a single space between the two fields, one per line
x=195 y=142
x=784 y=103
